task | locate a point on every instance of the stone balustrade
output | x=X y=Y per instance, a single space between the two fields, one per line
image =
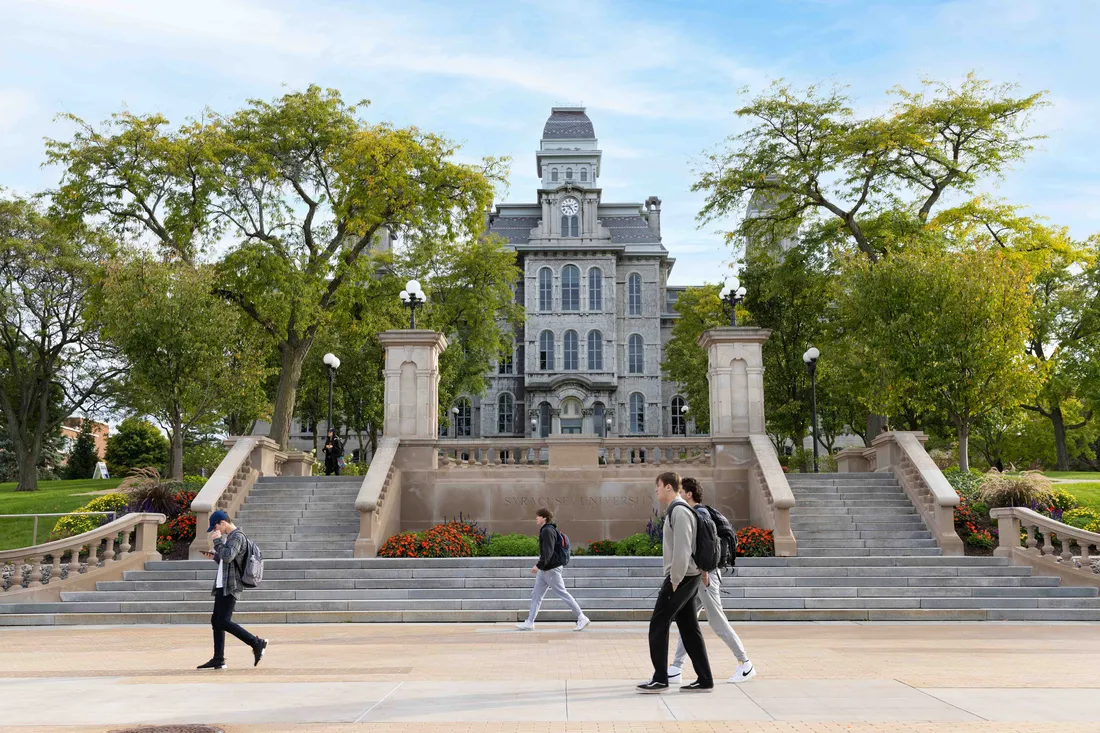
x=379 y=500
x=497 y=452
x=131 y=536
x=578 y=451
x=771 y=496
x=1080 y=567
x=657 y=451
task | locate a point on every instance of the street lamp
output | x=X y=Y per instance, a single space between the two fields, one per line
x=684 y=411
x=333 y=363
x=413 y=297
x=534 y=427
x=810 y=357
x=733 y=293
x=454 y=420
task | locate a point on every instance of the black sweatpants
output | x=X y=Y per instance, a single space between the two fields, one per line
x=222 y=621
x=678 y=606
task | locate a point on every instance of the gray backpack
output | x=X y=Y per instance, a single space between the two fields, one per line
x=252 y=564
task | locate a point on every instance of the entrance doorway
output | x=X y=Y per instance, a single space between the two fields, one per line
x=571 y=416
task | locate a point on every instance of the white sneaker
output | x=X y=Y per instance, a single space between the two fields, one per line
x=745 y=672
x=582 y=622
x=526 y=626
x=674 y=675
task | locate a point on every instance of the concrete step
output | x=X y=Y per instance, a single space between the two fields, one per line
x=841 y=552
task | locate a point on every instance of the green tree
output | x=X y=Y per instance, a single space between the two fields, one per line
x=181 y=344
x=303 y=187
x=83 y=456
x=685 y=363
x=54 y=362
x=946 y=329
x=136 y=444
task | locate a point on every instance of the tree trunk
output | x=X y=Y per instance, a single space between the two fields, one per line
x=875 y=425
x=293 y=356
x=175 y=463
x=27 y=460
x=964 y=447
x=1060 y=448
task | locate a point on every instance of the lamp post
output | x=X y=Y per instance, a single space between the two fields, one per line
x=333 y=363
x=534 y=427
x=413 y=297
x=810 y=358
x=454 y=420
x=684 y=411
x=608 y=431
x=733 y=293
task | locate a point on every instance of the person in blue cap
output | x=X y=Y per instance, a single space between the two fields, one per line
x=229 y=549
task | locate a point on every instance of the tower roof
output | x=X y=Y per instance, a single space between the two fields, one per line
x=568 y=123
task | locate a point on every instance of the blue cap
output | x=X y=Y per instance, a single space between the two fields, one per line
x=218 y=516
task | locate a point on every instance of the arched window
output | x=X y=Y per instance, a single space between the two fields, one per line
x=546 y=351
x=506 y=414
x=570 y=226
x=554 y=174
x=571 y=349
x=635 y=354
x=506 y=363
x=569 y=174
x=634 y=294
x=584 y=174
x=546 y=289
x=595 y=290
x=464 y=419
x=595 y=351
x=679 y=419
x=637 y=413
x=570 y=288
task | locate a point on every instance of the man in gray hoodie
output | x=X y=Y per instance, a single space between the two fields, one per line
x=676 y=599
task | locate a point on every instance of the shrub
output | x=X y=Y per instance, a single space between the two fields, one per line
x=181 y=528
x=980 y=539
x=510 y=545
x=137 y=444
x=579 y=551
x=469 y=528
x=403 y=544
x=968 y=484
x=73 y=525
x=655 y=529
x=1063 y=501
x=1029 y=488
x=165 y=545
x=1093 y=527
x=755 y=542
x=1080 y=518
x=638 y=545
x=943 y=459
x=149 y=492
x=603 y=548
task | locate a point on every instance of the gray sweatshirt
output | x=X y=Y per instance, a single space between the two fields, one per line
x=678 y=539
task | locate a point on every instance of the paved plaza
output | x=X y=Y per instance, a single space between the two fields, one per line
x=813 y=677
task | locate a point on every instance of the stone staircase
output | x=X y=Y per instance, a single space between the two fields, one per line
x=856 y=515
x=302 y=517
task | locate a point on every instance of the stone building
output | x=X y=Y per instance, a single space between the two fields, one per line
x=599 y=309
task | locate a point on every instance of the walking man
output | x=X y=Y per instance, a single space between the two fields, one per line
x=676 y=599
x=710 y=598
x=548 y=573
x=230 y=548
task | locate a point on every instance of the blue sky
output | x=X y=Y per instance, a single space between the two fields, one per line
x=660 y=79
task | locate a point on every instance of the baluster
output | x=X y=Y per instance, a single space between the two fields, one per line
x=658 y=455
x=18 y=575
x=36 y=571
x=1032 y=543
x=1048 y=544
x=1085 y=555
x=109 y=554
x=124 y=543
x=1067 y=554
x=93 y=555
x=74 y=561
x=485 y=456
x=55 y=568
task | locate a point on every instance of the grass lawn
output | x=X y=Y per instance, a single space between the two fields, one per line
x=51 y=497
x=1089 y=475
x=1087 y=494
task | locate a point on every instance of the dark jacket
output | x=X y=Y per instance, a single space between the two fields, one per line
x=230 y=550
x=548 y=546
x=336 y=450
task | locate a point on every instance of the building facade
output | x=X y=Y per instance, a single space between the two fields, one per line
x=599 y=309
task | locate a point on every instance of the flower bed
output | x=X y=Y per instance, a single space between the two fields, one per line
x=755 y=542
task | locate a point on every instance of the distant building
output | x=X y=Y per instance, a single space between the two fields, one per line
x=70 y=431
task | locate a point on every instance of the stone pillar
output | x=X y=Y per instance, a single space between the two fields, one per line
x=412 y=391
x=736 y=374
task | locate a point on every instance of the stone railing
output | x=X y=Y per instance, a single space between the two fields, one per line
x=44 y=566
x=657 y=451
x=576 y=451
x=497 y=452
x=249 y=458
x=770 y=496
x=1080 y=568
x=856 y=460
x=379 y=500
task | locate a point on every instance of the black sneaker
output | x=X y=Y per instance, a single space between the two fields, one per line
x=258 y=651
x=213 y=664
x=652 y=688
x=697 y=686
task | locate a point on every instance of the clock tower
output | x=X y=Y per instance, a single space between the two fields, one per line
x=568 y=162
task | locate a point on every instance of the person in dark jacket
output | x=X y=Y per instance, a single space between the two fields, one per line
x=548 y=574
x=229 y=548
x=334 y=451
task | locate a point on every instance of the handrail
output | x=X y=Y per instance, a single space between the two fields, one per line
x=780 y=489
x=34 y=531
x=924 y=484
x=1010 y=522
x=930 y=473
x=211 y=492
x=768 y=482
x=379 y=500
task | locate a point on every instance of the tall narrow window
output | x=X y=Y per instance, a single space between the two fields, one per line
x=679 y=419
x=570 y=288
x=634 y=294
x=571 y=347
x=546 y=351
x=584 y=174
x=570 y=226
x=569 y=174
x=637 y=413
x=635 y=355
x=506 y=365
x=506 y=414
x=595 y=351
x=595 y=290
x=544 y=422
x=464 y=419
x=546 y=289
x=554 y=174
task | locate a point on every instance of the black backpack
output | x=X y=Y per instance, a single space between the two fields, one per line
x=727 y=537
x=707 y=554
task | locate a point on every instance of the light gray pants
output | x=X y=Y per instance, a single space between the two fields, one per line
x=551 y=580
x=710 y=598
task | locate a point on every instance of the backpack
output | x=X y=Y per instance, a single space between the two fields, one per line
x=563 y=550
x=707 y=554
x=727 y=537
x=252 y=564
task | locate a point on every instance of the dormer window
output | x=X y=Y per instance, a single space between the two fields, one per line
x=554 y=174
x=569 y=174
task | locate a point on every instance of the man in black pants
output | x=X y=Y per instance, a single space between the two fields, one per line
x=229 y=549
x=676 y=600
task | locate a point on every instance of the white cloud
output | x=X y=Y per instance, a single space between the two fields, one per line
x=16 y=106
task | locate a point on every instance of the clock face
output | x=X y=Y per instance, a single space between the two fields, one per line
x=570 y=206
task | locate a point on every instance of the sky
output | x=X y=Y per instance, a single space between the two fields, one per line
x=661 y=80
